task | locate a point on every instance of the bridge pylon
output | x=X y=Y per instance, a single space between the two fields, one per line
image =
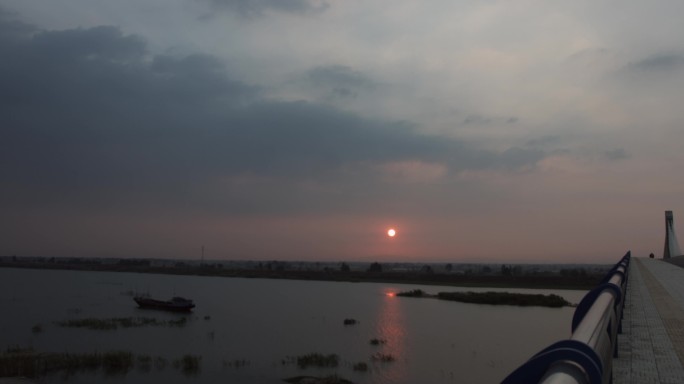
x=671 y=243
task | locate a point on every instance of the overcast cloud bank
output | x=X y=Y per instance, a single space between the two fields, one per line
x=502 y=153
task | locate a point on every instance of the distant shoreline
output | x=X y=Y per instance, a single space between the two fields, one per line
x=578 y=281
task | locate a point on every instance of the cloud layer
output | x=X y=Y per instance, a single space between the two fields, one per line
x=109 y=124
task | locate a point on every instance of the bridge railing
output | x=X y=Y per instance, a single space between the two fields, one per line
x=587 y=357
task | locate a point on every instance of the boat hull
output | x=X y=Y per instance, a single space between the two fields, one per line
x=170 y=305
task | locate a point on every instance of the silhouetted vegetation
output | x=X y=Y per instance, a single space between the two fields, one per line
x=38 y=328
x=350 y=321
x=160 y=363
x=334 y=379
x=122 y=322
x=412 y=293
x=27 y=362
x=511 y=270
x=475 y=275
x=383 y=357
x=117 y=362
x=360 y=367
x=377 y=341
x=505 y=298
x=375 y=268
x=237 y=363
x=135 y=262
x=493 y=298
x=573 y=272
x=180 y=322
x=144 y=363
x=317 y=360
x=189 y=364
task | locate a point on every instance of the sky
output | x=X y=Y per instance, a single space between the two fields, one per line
x=482 y=131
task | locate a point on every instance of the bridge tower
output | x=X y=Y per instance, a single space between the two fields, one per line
x=671 y=244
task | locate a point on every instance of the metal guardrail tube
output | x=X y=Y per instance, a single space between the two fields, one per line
x=590 y=329
x=587 y=357
x=565 y=372
x=592 y=332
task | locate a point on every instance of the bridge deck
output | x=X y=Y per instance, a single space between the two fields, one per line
x=651 y=348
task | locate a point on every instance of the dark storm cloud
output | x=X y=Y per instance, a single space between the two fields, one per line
x=89 y=117
x=100 y=42
x=339 y=81
x=476 y=119
x=520 y=158
x=544 y=140
x=12 y=29
x=660 y=62
x=339 y=76
x=257 y=7
x=616 y=154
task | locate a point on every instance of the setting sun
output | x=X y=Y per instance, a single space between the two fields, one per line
x=391 y=232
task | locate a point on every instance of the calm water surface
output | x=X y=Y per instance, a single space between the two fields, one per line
x=262 y=322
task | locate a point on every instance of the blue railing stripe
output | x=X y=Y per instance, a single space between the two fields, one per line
x=586 y=358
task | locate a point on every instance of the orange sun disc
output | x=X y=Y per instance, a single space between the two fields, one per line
x=391 y=232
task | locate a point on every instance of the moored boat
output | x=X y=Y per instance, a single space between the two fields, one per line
x=178 y=304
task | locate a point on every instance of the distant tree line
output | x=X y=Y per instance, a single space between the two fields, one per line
x=573 y=272
x=511 y=270
x=375 y=267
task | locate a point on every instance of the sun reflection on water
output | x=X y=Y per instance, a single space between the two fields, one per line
x=391 y=327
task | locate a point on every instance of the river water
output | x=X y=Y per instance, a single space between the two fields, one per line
x=263 y=323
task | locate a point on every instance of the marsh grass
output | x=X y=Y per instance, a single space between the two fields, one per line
x=332 y=379
x=383 y=357
x=29 y=363
x=188 y=364
x=493 y=298
x=160 y=363
x=412 y=293
x=120 y=322
x=317 y=360
x=115 y=363
x=144 y=363
x=16 y=361
x=15 y=349
x=177 y=323
x=236 y=363
x=506 y=298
